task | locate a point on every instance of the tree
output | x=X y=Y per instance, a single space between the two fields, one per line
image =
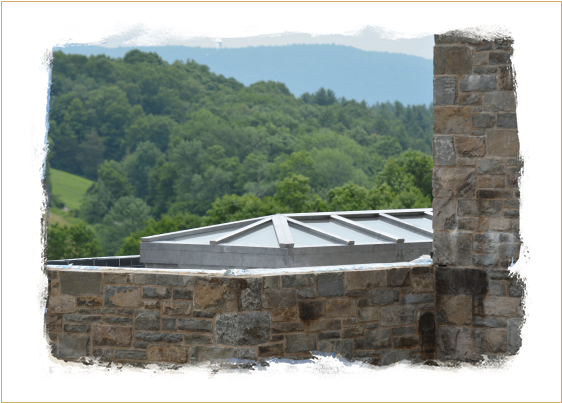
x=69 y=242
x=137 y=166
x=349 y=197
x=91 y=154
x=293 y=192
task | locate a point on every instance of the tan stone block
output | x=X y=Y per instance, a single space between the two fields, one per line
x=323 y=324
x=179 y=354
x=215 y=294
x=444 y=214
x=496 y=340
x=502 y=306
x=349 y=332
x=502 y=143
x=91 y=301
x=284 y=314
x=457 y=308
x=452 y=60
x=369 y=314
x=112 y=336
x=422 y=281
x=360 y=280
x=470 y=146
x=452 y=120
x=53 y=323
x=177 y=307
x=505 y=78
x=61 y=304
x=340 y=308
x=123 y=297
x=466 y=162
x=54 y=287
x=454 y=182
x=500 y=224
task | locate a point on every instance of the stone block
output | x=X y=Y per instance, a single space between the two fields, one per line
x=53 y=323
x=497 y=288
x=271 y=350
x=451 y=120
x=464 y=344
x=77 y=328
x=358 y=344
x=61 y=304
x=277 y=337
x=502 y=143
x=504 y=43
x=487 y=321
x=177 y=307
x=514 y=340
x=417 y=298
x=454 y=182
x=478 y=83
x=242 y=329
x=422 y=278
x=195 y=325
x=461 y=281
x=151 y=304
x=208 y=353
x=397 y=331
x=500 y=57
x=377 y=338
x=479 y=208
x=117 y=278
x=468 y=224
x=454 y=309
x=82 y=318
x=391 y=356
x=147 y=320
x=248 y=353
x=445 y=90
x=282 y=298
x=159 y=337
x=398 y=277
x=483 y=120
x=284 y=314
x=119 y=320
x=446 y=38
x=501 y=101
x=112 y=336
x=300 y=343
x=178 y=354
x=496 y=340
x=340 y=308
x=444 y=214
x=122 y=296
x=485 y=260
x=173 y=280
x=452 y=249
x=306 y=293
x=381 y=297
x=330 y=284
x=196 y=338
x=342 y=348
x=491 y=166
x=507 y=121
x=394 y=315
x=485 y=69
x=156 y=292
x=360 y=280
x=77 y=283
x=182 y=293
x=405 y=341
x=349 y=332
x=287 y=327
x=297 y=280
x=203 y=314
x=145 y=279
x=215 y=294
x=89 y=301
x=369 y=314
x=321 y=325
x=470 y=146
x=103 y=354
x=311 y=310
x=249 y=294
x=480 y=59
x=74 y=346
x=494 y=194
x=502 y=306
x=516 y=289
x=470 y=99
x=272 y=282
x=169 y=324
x=513 y=175
x=505 y=78
x=452 y=60
x=328 y=335
x=135 y=355
x=444 y=150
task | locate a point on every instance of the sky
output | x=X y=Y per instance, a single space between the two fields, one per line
x=412 y=37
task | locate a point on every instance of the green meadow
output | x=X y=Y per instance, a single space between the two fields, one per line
x=69 y=188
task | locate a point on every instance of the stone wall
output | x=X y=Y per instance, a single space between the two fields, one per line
x=476 y=197
x=378 y=315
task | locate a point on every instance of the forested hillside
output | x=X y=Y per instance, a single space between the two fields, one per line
x=173 y=146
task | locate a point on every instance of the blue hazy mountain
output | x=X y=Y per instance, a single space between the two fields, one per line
x=350 y=72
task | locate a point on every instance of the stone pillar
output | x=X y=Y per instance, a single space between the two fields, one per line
x=476 y=197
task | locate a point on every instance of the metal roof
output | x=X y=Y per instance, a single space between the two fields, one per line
x=296 y=240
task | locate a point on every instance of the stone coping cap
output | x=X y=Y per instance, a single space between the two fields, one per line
x=424 y=260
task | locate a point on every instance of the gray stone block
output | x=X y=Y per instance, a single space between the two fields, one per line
x=391 y=356
x=516 y=289
x=195 y=325
x=445 y=90
x=145 y=279
x=507 y=121
x=444 y=214
x=452 y=249
x=168 y=324
x=488 y=321
x=131 y=355
x=76 y=283
x=241 y=329
x=77 y=328
x=159 y=337
x=500 y=57
x=330 y=284
x=491 y=166
x=377 y=338
x=272 y=282
x=452 y=60
x=342 y=348
x=501 y=101
x=173 y=280
x=514 y=341
x=496 y=287
x=82 y=318
x=417 y=298
x=182 y=293
x=380 y=297
x=306 y=293
x=394 y=315
x=197 y=339
x=119 y=320
x=444 y=150
x=156 y=292
x=283 y=298
x=328 y=335
x=397 y=331
x=483 y=120
x=249 y=294
x=300 y=343
x=462 y=344
x=74 y=345
x=454 y=182
x=478 y=83
x=297 y=280
x=147 y=320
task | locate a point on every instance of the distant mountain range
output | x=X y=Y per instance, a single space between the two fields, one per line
x=350 y=72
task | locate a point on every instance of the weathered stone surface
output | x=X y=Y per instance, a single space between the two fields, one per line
x=74 y=345
x=249 y=294
x=272 y=282
x=422 y=278
x=242 y=328
x=369 y=314
x=145 y=279
x=488 y=321
x=173 y=280
x=494 y=194
x=196 y=338
x=377 y=338
x=147 y=320
x=182 y=293
x=502 y=306
x=500 y=57
x=151 y=304
x=496 y=340
x=179 y=354
x=478 y=82
x=446 y=38
x=203 y=314
x=130 y=355
x=444 y=150
x=505 y=78
x=391 y=356
x=76 y=283
x=271 y=350
x=491 y=166
x=117 y=278
x=328 y=335
x=119 y=320
x=306 y=293
x=405 y=341
x=321 y=325
x=498 y=101
x=485 y=69
x=485 y=260
x=349 y=332
x=195 y=325
x=287 y=327
x=107 y=311
x=393 y=315
x=156 y=292
x=311 y=310
x=502 y=143
x=470 y=224
x=159 y=337
x=103 y=354
x=417 y=298
x=483 y=120
x=452 y=60
x=208 y=353
x=380 y=297
x=445 y=214
x=330 y=284
x=360 y=280
x=300 y=343
x=461 y=281
x=342 y=348
x=176 y=308
x=470 y=146
x=470 y=99
x=112 y=336
x=90 y=301
x=61 y=304
x=82 y=318
x=516 y=289
x=514 y=341
x=338 y=308
x=297 y=280
x=168 y=324
x=215 y=294
x=397 y=331
x=277 y=337
x=53 y=323
x=398 y=277
x=284 y=314
x=122 y=296
x=454 y=182
x=504 y=43
x=283 y=298
x=463 y=344
x=248 y=353
x=454 y=309
x=77 y=328
x=497 y=288
x=451 y=120
x=507 y=121
x=452 y=249
x=445 y=90
x=479 y=208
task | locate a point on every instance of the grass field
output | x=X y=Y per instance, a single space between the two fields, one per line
x=69 y=188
